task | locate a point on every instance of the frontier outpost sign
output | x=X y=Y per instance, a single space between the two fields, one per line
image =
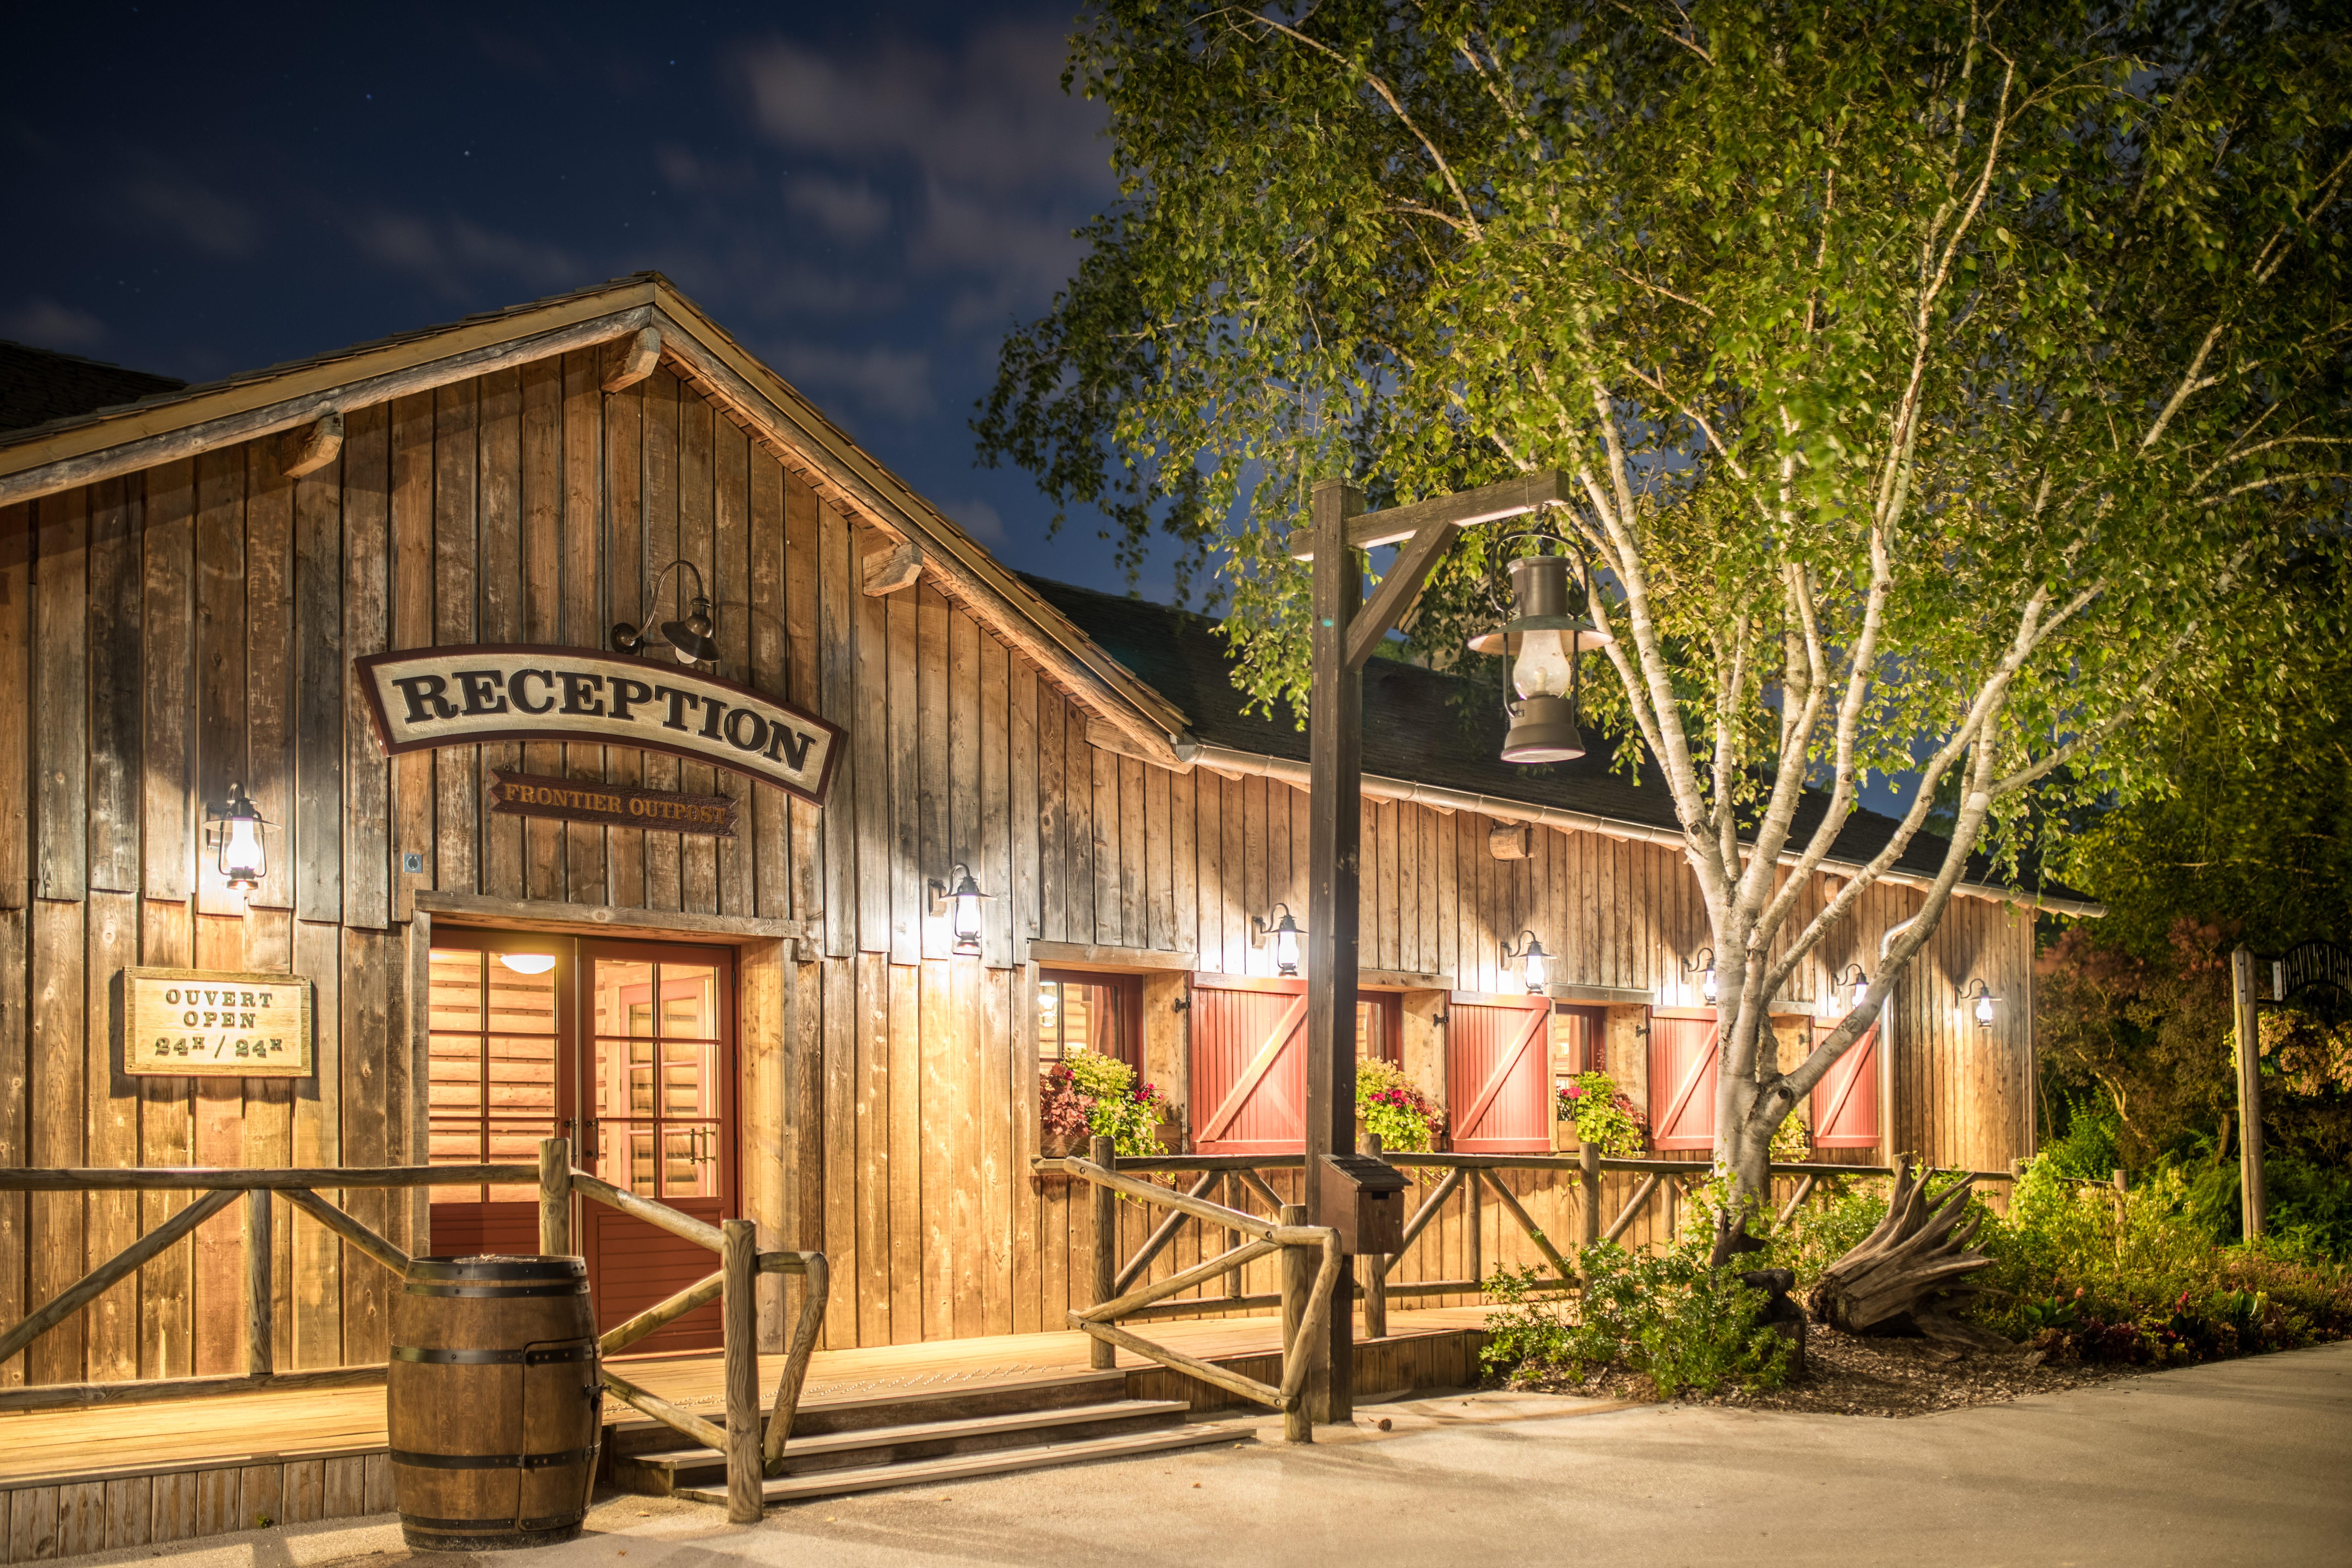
x=423 y=698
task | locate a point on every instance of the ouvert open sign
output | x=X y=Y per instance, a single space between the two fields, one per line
x=461 y=696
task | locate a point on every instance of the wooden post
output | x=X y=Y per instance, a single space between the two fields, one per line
x=1102 y=1356
x=1298 y=1284
x=2251 y=1209
x=1588 y=1175
x=738 y=1262
x=1335 y=748
x=1473 y=1226
x=260 y=1351
x=1376 y=1270
x=556 y=1196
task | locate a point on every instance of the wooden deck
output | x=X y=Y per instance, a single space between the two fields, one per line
x=91 y=1478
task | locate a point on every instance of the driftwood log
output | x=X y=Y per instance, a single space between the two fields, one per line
x=1910 y=1276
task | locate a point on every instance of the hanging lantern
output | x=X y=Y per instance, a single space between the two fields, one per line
x=1542 y=640
x=236 y=827
x=1702 y=964
x=1285 y=934
x=1979 y=992
x=1855 y=982
x=1535 y=964
x=691 y=639
x=963 y=918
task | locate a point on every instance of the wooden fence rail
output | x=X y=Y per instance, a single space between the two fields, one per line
x=755 y=1447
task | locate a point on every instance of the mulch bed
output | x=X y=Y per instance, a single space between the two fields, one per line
x=1847 y=1376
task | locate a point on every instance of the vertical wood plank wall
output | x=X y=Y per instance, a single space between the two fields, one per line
x=164 y=633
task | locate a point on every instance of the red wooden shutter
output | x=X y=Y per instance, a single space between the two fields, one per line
x=1683 y=1071
x=1249 y=1065
x=1845 y=1102
x=1499 y=1074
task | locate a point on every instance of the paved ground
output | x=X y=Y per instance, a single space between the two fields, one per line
x=2247 y=1461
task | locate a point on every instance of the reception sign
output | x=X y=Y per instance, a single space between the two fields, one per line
x=206 y=1023
x=423 y=698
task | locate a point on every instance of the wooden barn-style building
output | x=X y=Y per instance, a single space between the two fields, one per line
x=690 y=915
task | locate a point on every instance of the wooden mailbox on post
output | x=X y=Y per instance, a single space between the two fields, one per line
x=1363 y=1200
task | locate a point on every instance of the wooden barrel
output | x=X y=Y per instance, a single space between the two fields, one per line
x=494 y=1408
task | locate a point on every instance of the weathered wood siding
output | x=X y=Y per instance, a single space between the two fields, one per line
x=165 y=632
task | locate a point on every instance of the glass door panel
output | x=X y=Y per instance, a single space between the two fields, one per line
x=494 y=1079
x=660 y=1071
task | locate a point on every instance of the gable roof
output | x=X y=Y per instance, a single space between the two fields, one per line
x=169 y=424
x=1425 y=728
x=38 y=385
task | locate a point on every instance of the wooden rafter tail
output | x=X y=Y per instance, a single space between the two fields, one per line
x=307 y=448
x=888 y=565
x=816 y=1282
x=628 y=360
x=663 y=1411
x=349 y=1228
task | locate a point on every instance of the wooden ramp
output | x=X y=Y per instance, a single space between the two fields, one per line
x=95 y=1477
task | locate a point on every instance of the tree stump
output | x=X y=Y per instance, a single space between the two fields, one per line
x=1910 y=1275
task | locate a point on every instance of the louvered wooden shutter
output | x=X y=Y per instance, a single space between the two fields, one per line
x=1249 y=1065
x=1845 y=1102
x=1499 y=1073
x=1683 y=1071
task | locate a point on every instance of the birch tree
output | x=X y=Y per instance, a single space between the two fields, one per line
x=1938 y=384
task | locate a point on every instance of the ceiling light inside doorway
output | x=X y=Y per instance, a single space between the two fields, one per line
x=528 y=963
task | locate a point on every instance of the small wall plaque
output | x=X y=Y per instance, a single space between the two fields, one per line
x=613 y=805
x=210 y=1023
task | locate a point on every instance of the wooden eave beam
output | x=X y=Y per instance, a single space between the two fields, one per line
x=1464 y=509
x=309 y=447
x=890 y=564
x=628 y=360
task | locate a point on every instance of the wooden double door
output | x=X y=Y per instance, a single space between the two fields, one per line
x=625 y=1047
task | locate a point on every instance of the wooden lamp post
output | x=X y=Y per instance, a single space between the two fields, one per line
x=1344 y=632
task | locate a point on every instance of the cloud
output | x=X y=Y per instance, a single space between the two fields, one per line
x=976 y=518
x=884 y=381
x=204 y=219
x=46 y=323
x=851 y=211
x=450 y=254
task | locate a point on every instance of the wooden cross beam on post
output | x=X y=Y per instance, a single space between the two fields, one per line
x=1346 y=632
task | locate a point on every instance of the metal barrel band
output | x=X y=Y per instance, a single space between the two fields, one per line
x=491 y=1461
x=498 y=1292
x=575 y=1351
x=497 y=1266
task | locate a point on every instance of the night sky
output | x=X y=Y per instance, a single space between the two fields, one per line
x=866 y=196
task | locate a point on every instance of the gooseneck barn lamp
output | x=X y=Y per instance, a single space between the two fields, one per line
x=1978 y=991
x=1534 y=962
x=236 y=827
x=964 y=919
x=1542 y=638
x=690 y=638
x=1284 y=933
x=1702 y=964
x=1856 y=983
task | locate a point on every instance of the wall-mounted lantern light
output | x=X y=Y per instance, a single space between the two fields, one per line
x=964 y=920
x=1284 y=933
x=691 y=639
x=1534 y=961
x=1856 y=984
x=1978 y=991
x=1702 y=963
x=1542 y=640
x=236 y=827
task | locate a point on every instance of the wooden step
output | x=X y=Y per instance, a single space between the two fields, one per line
x=988 y=1462
x=666 y=1473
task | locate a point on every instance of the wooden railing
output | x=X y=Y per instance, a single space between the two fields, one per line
x=1470 y=1178
x=753 y=1448
x=1310 y=1274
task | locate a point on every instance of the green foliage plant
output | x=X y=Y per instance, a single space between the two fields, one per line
x=1603 y=1114
x=1392 y=1106
x=1116 y=1105
x=1936 y=384
x=1664 y=1315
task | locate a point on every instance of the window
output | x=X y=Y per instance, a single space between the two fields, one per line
x=1380 y=1026
x=1579 y=1039
x=658 y=1054
x=494 y=1013
x=1099 y=1013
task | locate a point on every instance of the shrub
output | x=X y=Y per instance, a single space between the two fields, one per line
x=1395 y=1108
x=1661 y=1315
x=1602 y=1115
